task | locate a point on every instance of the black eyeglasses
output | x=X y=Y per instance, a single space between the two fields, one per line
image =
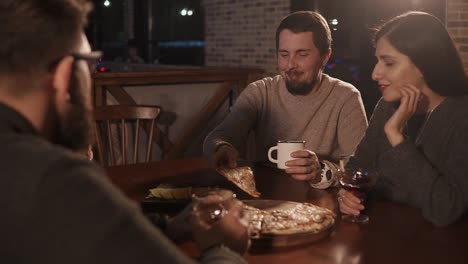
x=90 y=59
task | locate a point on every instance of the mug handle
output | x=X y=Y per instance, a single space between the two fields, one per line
x=269 y=154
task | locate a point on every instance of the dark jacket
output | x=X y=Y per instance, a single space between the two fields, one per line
x=60 y=208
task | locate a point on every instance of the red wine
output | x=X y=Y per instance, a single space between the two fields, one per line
x=357 y=182
x=355 y=189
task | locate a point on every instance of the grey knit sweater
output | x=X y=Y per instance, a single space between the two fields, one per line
x=430 y=174
x=331 y=119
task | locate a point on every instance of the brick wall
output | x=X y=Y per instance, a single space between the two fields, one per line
x=457 y=24
x=241 y=33
x=129 y=18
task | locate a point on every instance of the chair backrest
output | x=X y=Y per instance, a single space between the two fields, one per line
x=112 y=125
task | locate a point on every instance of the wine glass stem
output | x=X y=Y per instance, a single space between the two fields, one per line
x=361 y=218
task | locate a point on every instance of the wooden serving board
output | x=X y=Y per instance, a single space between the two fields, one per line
x=269 y=241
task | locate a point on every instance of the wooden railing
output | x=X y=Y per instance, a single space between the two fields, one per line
x=229 y=78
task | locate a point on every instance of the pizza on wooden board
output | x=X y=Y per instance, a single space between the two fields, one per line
x=242 y=177
x=297 y=218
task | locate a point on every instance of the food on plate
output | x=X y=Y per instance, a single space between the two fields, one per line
x=291 y=219
x=173 y=193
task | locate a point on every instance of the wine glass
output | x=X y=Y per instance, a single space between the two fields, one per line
x=212 y=204
x=359 y=182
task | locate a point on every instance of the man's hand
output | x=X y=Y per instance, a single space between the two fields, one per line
x=349 y=203
x=225 y=156
x=230 y=231
x=178 y=227
x=306 y=166
x=90 y=154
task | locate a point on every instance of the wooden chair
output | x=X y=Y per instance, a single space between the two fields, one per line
x=112 y=125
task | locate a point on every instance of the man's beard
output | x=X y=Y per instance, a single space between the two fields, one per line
x=74 y=130
x=302 y=87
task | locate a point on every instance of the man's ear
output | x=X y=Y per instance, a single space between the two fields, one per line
x=61 y=78
x=326 y=57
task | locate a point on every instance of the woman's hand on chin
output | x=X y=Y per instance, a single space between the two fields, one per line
x=408 y=105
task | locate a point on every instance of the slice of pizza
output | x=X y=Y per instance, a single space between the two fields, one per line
x=242 y=177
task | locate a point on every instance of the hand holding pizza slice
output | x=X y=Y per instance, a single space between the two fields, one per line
x=242 y=177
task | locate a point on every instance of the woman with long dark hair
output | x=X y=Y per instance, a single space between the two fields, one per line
x=417 y=138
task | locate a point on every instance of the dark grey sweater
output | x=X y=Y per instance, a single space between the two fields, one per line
x=58 y=208
x=431 y=173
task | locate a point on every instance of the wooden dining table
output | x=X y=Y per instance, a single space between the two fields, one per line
x=396 y=233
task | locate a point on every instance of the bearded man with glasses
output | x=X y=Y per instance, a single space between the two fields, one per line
x=58 y=207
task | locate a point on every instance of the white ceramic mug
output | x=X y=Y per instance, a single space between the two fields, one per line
x=284 y=149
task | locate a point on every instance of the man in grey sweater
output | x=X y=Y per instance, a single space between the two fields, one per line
x=301 y=103
x=58 y=207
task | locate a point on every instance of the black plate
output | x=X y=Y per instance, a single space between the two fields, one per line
x=164 y=205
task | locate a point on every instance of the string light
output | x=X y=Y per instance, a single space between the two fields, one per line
x=107 y=3
x=186 y=12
